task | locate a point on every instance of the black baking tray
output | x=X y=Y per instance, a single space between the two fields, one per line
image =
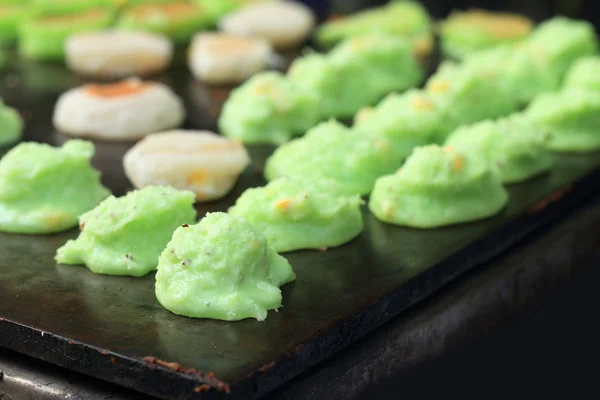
x=113 y=328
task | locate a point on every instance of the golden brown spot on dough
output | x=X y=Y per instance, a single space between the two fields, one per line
x=283 y=204
x=458 y=163
x=448 y=149
x=388 y=209
x=196 y=177
x=84 y=16
x=364 y=114
x=498 y=24
x=119 y=89
x=380 y=144
x=423 y=46
x=263 y=88
x=9 y=8
x=438 y=86
x=54 y=219
x=229 y=44
x=173 y=10
x=422 y=103
x=220 y=146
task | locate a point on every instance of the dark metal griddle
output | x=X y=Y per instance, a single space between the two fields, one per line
x=114 y=329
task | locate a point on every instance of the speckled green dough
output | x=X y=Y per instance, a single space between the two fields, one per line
x=407 y=19
x=179 y=26
x=44 y=189
x=466 y=96
x=42 y=38
x=571 y=116
x=408 y=120
x=520 y=71
x=584 y=74
x=12 y=12
x=125 y=235
x=268 y=108
x=515 y=144
x=563 y=41
x=11 y=125
x=358 y=72
x=438 y=187
x=301 y=213
x=464 y=33
x=221 y=268
x=331 y=150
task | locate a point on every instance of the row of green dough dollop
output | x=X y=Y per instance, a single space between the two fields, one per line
x=272 y=107
x=41 y=27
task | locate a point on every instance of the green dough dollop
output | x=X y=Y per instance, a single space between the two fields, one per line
x=42 y=37
x=268 y=109
x=44 y=189
x=584 y=74
x=408 y=19
x=408 y=120
x=515 y=144
x=358 y=72
x=466 y=96
x=572 y=117
x=562 y=41
x=221 y=268
x=125 y=235
x=330 y=150
x=11 y=125
x=520 y=71
x=178 y=20
x=466 y=32
x=301 y=213
x=437 y=187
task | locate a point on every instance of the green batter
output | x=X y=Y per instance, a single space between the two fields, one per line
x=584 y=74
x=268 y=108
x=11 y=125
x=333 y=151
x=358 y=72
x=44 y=189
x=301 y=213
x=516 y=145
x=408 y=19
x=437 y=187
x=572 y=117
x=125 y=235
x=221 y=268
x=43 y=37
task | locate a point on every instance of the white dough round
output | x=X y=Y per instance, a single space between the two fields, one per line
x=220 y=58
x=201 y=161
x=123 y=111
x=117 y=54
x=284 y=24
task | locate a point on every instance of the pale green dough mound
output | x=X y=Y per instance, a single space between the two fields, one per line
x=467 y=32
x=44 y=189
x=437 y=187
x=330 y=150
x=408 y=19
x=11 y=125
x=466 y=96
x=584 y=74
x=125 y=235
x=571 y=116
x=563 y=41
x=221 y=268
x=268 y=109
x=523 y=74
x=358 y=72
x=301 y=213
x=408 y=120
x=516 y=145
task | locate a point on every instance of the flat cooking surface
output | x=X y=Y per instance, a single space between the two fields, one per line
x=104 y=326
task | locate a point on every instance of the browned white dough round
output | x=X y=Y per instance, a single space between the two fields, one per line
x=122 y=111
x=284 y=24
x=201 y=161
x=118 y=54
x=219 y=58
